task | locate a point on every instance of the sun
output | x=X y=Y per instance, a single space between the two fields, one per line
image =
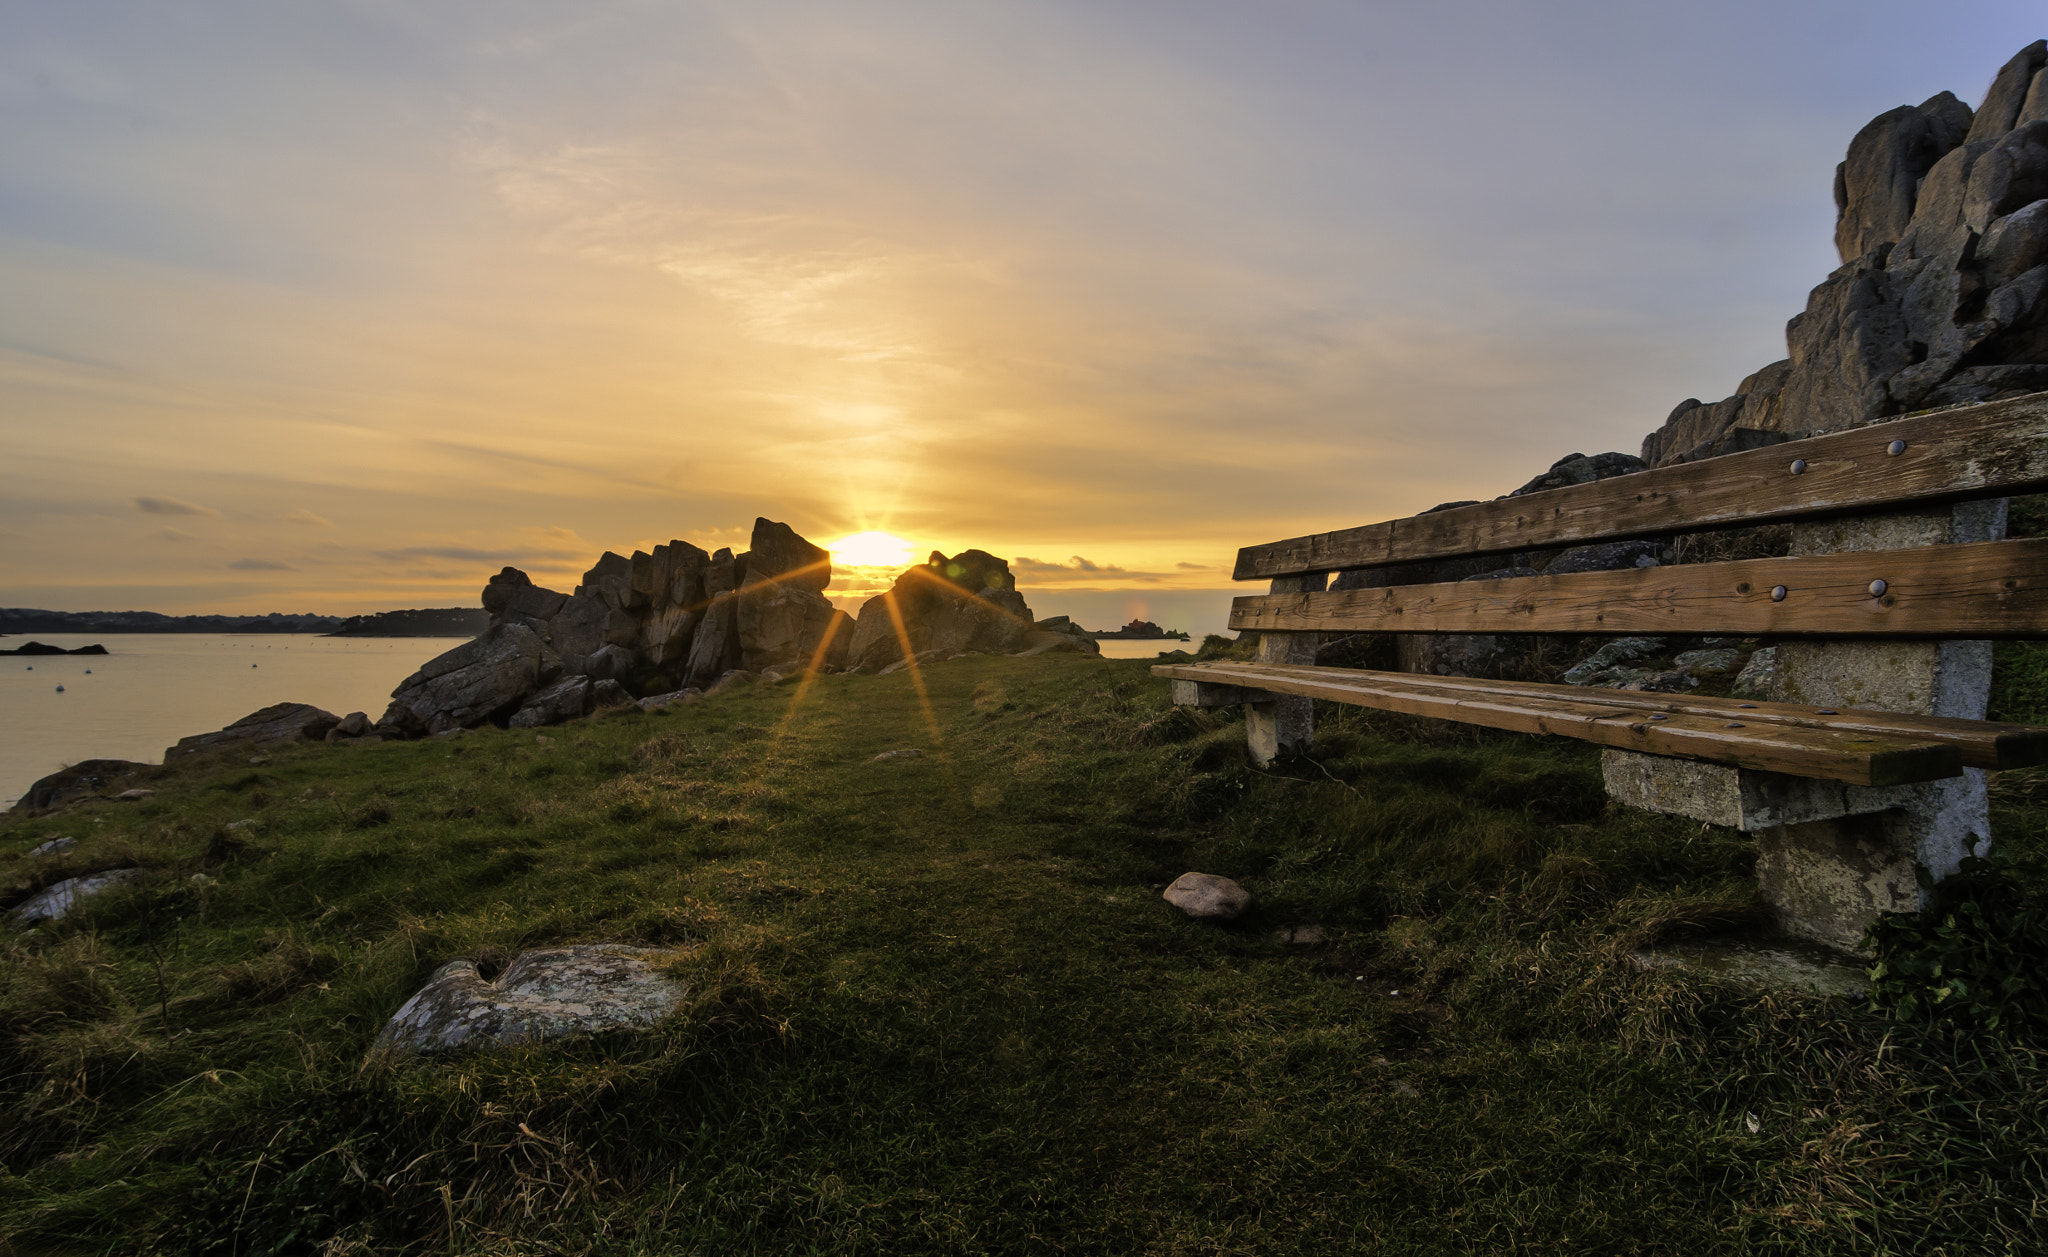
x=871 y=549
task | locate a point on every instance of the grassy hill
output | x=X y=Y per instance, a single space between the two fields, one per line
x=937 y=1005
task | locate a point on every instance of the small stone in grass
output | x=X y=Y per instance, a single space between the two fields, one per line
x=908 y=752
x=1206 y=896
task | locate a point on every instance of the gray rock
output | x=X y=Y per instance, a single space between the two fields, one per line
x=1608 y=557
x=1580 y=469
x=1759 y=677
x=56 y=846
x=2008 y=94
x=715 y=650
x=732 y=680
x=966 y=602
x=908 y=752
x=1710 y=662
x=484 y=679
x=90 y=778
x=655 y=702
x=1040 y=641
x=543 y=996
x=609 y=694
x=56 y=902
x=566 y=699
x=1619 y=651
x=1877 y=184
x=134 y=796
x=277 y=724
x=354 y=725
x=1208 y=897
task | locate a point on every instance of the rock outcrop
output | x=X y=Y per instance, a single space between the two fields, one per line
x=1942 y=296
x=947 y=605
x=275 y=725
x=672 y=619
x=87 y=779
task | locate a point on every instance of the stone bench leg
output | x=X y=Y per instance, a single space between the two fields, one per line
x=1278 y=724
x=1831 y=859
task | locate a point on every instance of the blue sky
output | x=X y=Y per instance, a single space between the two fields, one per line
x=368 y=299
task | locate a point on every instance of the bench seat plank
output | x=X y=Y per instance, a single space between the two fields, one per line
x=1828 y=753
x=1982 y=590
x=1992 y=450
x=1988 y=744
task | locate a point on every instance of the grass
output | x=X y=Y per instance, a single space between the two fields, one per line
x=938 y=1007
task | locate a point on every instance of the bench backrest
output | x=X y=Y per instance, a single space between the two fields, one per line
x=1992 y=589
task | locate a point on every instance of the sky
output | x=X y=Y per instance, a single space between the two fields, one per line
x=340 y=307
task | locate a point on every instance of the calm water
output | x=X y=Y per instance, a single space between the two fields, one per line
x=153 y=688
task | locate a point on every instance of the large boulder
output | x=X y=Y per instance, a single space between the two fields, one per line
x=277 y=724
x=966 y=602
x=566 y=699
x=1942 y=296
x=543 y=996
x=484 y=679
x=782 y=614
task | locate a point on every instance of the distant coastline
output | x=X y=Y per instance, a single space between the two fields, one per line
x=1140 y=631
x=428 y=622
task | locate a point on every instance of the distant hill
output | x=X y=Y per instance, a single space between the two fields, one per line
x=430 y=622
x=30 y=620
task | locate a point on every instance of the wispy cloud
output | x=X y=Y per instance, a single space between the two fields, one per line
x=1196 y=567
x=304 y=516
x=260 y=565
x=172 y=534
x=172 y=506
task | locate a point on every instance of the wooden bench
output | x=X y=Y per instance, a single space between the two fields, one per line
x=1898 y=579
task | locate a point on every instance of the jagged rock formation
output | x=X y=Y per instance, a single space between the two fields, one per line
x=679 y=620
x=965 y=603
x=676 y=618
x=1942 y=228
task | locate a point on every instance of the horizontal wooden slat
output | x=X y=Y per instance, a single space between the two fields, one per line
x=1828 y=754
x=1990 y=744
x=1989 y=589
x=1982 y=451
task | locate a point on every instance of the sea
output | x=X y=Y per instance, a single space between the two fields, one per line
x=150 y=689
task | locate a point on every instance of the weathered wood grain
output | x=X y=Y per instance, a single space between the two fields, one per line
x=1829 y=754
x=1982 y=743
x=1989 y=589
x=1991 y=450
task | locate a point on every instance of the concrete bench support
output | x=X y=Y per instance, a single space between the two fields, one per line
x=1832 y=858
x=1277 y=724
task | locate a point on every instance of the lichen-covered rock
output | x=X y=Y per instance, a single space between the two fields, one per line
x=546 y=995
x=1759 y=677
x=1619 y=651
x=1208 y=897
x=55 y=903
